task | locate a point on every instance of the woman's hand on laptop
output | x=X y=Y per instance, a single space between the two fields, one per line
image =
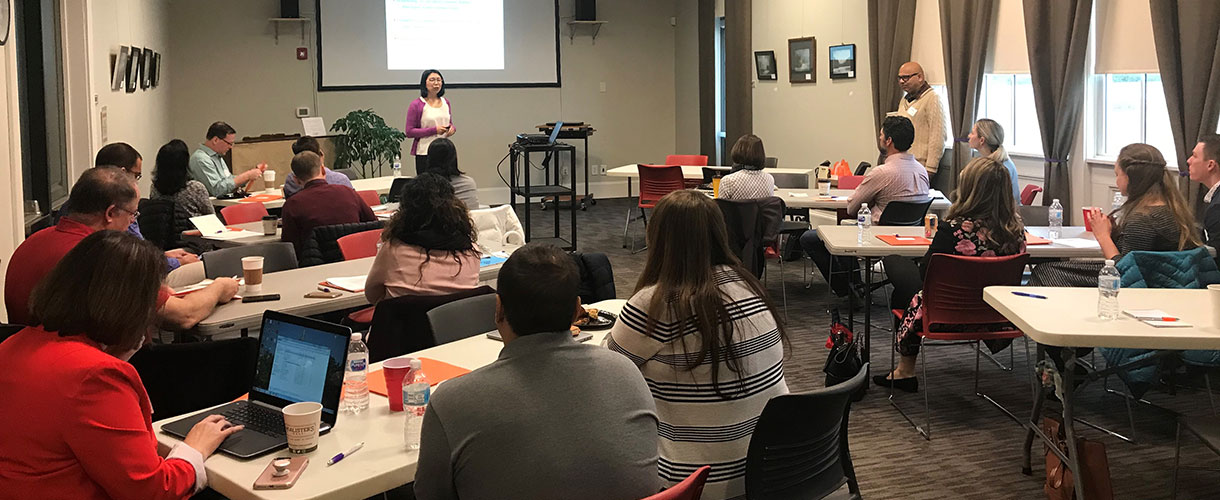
x=207 y=435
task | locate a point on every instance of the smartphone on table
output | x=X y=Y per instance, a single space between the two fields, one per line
x=268 y=480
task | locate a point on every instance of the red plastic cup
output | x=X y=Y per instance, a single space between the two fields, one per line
x=396 y=370
x=1088 y=217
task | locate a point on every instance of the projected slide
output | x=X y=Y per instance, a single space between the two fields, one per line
x=449 y=34
x=299 y=370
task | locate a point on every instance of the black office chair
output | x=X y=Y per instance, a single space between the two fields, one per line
x=162 y=222
x=596 y=277
x=799 y=449
x=182 y=378
x=322 y=245
x=463 y=318
x=1034 y=215
x=400 y=325
x=862 y=168
x=770 y=162
x=277 y=256
x=1207 y=429
x=904 y=213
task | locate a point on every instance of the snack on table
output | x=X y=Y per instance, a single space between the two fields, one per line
x=587 y=314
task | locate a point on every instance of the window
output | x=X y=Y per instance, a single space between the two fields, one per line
x=1130 y=108
x=1009 y=100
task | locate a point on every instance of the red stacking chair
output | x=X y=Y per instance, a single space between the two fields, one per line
x=242 y=213
x=850 y=181
x=370 y=197
x=1029 y=193
x=953 y=296
x=656 y=181
x=688 y=160
x=359 y=245
x=690 y=488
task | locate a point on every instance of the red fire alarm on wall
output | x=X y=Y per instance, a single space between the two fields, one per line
x=302 y=53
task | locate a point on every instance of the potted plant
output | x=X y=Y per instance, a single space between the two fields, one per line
x=365 y=141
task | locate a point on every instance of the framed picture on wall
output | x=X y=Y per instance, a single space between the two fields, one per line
x=802 y=59
x=155 y=69
x=764 y=62
x=133 y=71
x=843 y=61
x=147 y=69
x=118 y=78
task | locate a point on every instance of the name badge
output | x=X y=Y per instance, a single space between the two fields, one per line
x=911 y=111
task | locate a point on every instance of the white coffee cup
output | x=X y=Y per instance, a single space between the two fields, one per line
x=302 y=424
x=824 y=188
x=1214 y=292
x=252 y=271
x=269 y=179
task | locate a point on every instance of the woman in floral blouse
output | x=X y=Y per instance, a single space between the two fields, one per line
x=982 y=222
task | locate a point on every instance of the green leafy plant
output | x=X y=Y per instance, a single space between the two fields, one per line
x=366 y=142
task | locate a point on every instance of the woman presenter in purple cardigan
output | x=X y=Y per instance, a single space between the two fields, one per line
x=428 y=118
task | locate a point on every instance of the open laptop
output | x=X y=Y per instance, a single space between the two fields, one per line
x=299 y=359
x=396 y=190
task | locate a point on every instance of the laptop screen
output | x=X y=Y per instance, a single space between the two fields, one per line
x=555 y=132
x=396 y=190
x=297 y=362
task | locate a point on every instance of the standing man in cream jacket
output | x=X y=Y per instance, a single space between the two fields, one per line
x=922 y=106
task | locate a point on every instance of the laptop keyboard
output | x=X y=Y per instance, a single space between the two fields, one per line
x=257 y=418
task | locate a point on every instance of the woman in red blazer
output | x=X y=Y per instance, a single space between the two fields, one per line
x=77 y=421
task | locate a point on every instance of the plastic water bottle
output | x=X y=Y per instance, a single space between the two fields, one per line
x=1107 y=292
x=415 y=401
x=397 y=167
x=1118 y=201
x=864 y=223
x=1056 y=219
x=355 y=381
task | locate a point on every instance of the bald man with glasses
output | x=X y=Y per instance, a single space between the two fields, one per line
x=922 y=106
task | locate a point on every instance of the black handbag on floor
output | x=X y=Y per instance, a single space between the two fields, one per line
x=844 y=361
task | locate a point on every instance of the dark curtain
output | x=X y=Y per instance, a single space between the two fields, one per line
x=1185 y=33
x=891 y=27
x=707 y=77
x=1057 y=34
x=965 y=27
x=738 y=71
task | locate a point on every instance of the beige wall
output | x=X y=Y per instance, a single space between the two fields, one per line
x=686 y=77
x=12 y=229
x=141 y=119
x=230 y=68
x=804 y=124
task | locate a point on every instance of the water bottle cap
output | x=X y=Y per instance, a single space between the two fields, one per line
x=357 y=336
x=1109 y=262
x=1056 y=200
x=416 y=364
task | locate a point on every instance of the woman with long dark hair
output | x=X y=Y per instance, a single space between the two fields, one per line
x=983 y=222
x=1154 y=217
x=442 y=160
x=427 y=248
x=429 y=117
x=708 y=340
x=77 y=420
x=172 y=181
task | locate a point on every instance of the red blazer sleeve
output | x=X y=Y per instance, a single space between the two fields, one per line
x=109 y=429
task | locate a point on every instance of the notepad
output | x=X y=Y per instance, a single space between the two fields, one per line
x=1077 y=242
x=1031 y=239
x=798 y=195
x=437 y=372
x=895 y=240
x=1157 y=318
x=178 y=292
x=354 y=284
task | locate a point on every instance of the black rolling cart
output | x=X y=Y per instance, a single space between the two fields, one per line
x=582 y=131
x=523 y=159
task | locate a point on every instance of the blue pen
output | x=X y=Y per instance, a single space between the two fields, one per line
x=1030 y=295
x=335 y=459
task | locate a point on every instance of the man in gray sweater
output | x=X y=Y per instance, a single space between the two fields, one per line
x=551 y=418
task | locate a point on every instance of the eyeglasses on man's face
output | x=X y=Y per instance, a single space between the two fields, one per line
x=904 y=78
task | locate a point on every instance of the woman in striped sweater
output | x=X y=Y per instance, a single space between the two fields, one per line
x=707 y=340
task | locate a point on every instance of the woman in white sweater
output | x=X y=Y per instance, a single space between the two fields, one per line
x=711 y=378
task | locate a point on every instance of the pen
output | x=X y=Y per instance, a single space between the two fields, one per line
x=335 y=459
x=1169 y=318
x=323 y=289
x=1031 y=295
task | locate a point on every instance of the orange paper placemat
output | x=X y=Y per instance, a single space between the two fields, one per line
x=437 y=371
x=1035 y=240
x=262 y=198
x=895 y=240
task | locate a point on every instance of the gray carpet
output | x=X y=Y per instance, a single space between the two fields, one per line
x=975 y=450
